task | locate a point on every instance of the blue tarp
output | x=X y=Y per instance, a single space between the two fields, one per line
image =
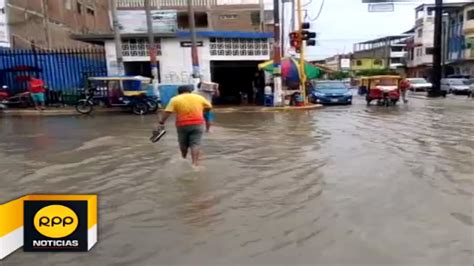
x=59 y=70
x=168 y=91
x=227 y=34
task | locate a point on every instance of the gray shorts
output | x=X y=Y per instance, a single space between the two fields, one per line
x=189 y=136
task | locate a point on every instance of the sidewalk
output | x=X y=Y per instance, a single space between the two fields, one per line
x=70 y=111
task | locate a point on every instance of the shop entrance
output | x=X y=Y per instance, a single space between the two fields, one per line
x=235 y=81
x=139 y=69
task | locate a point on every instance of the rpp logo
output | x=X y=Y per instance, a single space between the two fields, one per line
x=56 y=221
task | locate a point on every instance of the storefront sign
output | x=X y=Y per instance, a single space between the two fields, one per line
x=134 y=21
x=189 y=44
x=4 y=34
x=345 y=63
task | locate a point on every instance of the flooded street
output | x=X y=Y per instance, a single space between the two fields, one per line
x=343 y=185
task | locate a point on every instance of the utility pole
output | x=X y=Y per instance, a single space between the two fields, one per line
x=438 y=32
x=301 y=65
x=277 y=84
x=194 y=51
x=118 y=38
x=47 y=32
x=293 y=11
x=262 y=15
x=283 y=43
x=151 y=43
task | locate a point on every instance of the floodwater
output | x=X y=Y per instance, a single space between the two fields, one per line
x=344 y=185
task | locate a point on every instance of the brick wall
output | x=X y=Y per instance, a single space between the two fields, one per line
x=27 y=21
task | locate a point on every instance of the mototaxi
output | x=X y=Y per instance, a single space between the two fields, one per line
x=121 y=91
x=384 y=89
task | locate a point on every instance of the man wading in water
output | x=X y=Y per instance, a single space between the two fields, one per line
x=189 y=109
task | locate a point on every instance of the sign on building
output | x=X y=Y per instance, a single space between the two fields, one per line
x=345 y=63
x=4 y=34
x=134 y=21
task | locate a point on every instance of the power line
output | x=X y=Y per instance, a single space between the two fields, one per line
x=307 y=4
x=319 y=12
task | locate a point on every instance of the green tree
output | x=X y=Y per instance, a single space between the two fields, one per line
x=338 y=75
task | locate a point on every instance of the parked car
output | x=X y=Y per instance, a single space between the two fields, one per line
x=331 y=92
x=456 y=86
x=419 y=84
x=459 y=76
x=471 y=89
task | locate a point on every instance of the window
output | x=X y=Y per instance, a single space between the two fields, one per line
x=199 y=17
x=358 y=62
x=255 y=17
x=239 y=47
x=90 y=11
x=139 y=47
x=420 y=33
x=397 y=48
x=429 y=51
x=68 y=4
x=377 y=62
x=419 y=51
x=228 y=16
x=79 y=7
x=396 y=60
x=470 y=14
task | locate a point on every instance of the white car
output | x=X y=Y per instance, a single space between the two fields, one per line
x=456 y=86
x=419 y=84
x=471 y=89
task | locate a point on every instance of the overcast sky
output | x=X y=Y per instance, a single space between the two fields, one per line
x=345 y=22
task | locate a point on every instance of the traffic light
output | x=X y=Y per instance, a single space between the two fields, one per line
x=308 y=36
x=295 y=41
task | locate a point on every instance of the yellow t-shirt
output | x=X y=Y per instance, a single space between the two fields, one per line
x=189 y=109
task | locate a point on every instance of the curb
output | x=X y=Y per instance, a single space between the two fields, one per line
x=266 y=109
x=72 y=112
x=52 y=112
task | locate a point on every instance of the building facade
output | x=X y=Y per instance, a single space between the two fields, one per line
x=232 y=40
x=50 y=23
x=460 y=56
x=454 y=40
x=383 y=53
x=338 y=62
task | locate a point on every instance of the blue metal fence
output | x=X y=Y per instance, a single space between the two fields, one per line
x=64 y=70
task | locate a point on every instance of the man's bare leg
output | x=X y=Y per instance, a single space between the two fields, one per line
x=195 y=154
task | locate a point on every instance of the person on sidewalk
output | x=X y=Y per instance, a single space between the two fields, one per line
x=37 y=90
x=189 y=108
x=209 y=93
x=404 y=87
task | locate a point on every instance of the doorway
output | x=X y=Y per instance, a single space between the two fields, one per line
x=140 y=69
x=235 y=81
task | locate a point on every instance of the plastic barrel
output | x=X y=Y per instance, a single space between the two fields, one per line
x=268 y=100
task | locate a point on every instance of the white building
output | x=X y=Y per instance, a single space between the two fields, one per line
x=420 y=48
x=232 y=40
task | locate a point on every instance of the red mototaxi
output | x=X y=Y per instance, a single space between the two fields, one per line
x=383 y=88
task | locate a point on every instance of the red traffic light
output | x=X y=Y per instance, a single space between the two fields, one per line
x=295 y=40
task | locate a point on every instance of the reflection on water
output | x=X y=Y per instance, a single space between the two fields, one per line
x=344 y=185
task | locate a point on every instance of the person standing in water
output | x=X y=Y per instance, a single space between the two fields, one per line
x=189 y=109
x=404 y=86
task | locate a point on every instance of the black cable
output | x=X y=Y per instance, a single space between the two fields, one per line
x=319 y=13
x=307 y=4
